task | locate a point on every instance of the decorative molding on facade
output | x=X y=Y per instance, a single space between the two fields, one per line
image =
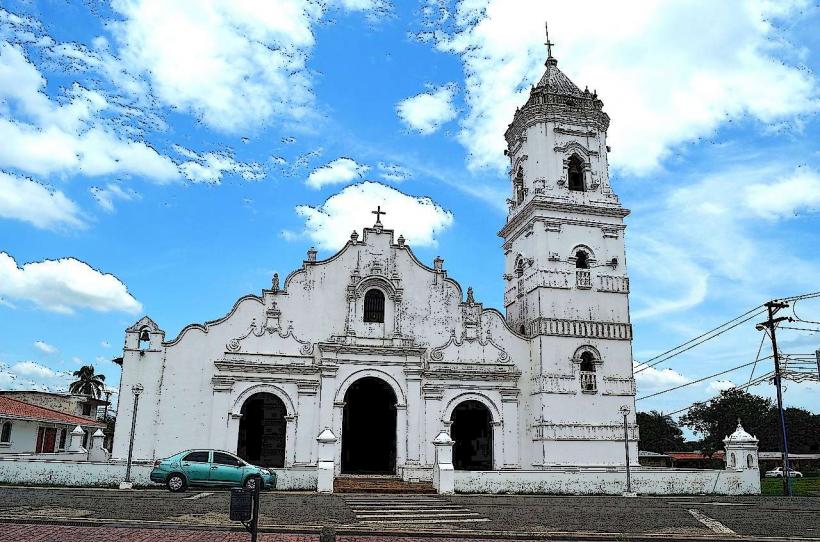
x=555 y=383
x=619 y=386
x=575 y=147
x=232 y=366
x=472 y=372
x=545 y=430
x=525 y=214
x=613 y=283
x=581 y=328
x=610 y=232
x=470 y=350
x=296 y=346
x=403 y=350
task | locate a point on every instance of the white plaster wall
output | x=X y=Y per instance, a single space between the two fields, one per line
x=70 y=473
x=23 y=438
x=646 y=481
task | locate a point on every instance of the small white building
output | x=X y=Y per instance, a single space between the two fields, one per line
x=28 y=428
x=387 y=352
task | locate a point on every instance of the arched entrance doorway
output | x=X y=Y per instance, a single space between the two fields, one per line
x=369 y=428
x=262 y=431
x=473 y=435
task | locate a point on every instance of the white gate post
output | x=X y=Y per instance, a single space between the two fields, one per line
x=327 y=454
x=443 y=474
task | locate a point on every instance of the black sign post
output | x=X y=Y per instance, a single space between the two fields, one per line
x=245 y=507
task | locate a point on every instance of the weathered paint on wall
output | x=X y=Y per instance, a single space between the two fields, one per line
x=612 y=481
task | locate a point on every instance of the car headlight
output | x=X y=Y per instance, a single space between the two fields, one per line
x=264 y=471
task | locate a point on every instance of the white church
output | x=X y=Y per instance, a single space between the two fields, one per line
x=382 y=354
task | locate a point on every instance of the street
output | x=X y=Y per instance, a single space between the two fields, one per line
x=94 y=514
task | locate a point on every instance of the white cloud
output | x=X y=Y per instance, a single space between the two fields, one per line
x=27 y=200
x=32 y=369
x=428 y=111
x=658 y=92
x=105 y=196
x=340 y=170
x=233 y=64
x=651 y=379
x=105 y=344
x=209 y=167
x=42 y=137
x=45 y=347
x=419 y=219
x=718 y=386
x=394 y=172
x=30 y=375
x=786 y=197
x=64 y=285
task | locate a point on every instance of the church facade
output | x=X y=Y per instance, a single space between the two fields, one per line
x=387 y=352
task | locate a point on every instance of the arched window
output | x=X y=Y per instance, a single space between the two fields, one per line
x=374 y=306
x=522 y=330
x=5 y=435
x=581 y=260
x=750 y=462
x=587 y=362
x=575 y=174
x=732 y=459
x=518 y=186
x=588 y=382
x=519 y=266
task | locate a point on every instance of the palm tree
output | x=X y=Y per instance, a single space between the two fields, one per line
x=87 y=382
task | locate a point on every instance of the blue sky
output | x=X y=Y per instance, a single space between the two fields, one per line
x=167 y=158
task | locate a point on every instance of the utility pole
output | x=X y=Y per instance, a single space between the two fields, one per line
x=817 y=355
x=771 y=324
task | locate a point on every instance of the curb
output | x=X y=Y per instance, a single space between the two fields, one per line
x=332 y=532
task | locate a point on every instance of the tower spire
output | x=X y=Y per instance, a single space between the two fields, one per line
x=550 y=59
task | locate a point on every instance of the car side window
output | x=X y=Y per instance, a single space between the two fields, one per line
x=225 y=459
x=196 y=457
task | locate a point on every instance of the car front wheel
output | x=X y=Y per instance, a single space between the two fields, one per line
x=176 y=483
x=251 y=482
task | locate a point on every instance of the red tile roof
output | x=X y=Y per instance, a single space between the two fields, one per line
x=12 y=408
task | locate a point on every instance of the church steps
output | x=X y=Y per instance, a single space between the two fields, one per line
x=380 y=484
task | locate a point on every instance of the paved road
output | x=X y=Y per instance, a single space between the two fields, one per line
x=667 y=516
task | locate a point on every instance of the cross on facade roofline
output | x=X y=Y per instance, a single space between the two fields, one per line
x=378 y=212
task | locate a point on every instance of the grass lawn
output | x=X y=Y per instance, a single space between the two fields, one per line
x=801 y=487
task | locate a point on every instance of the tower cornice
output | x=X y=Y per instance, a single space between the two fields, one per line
x=548 y=204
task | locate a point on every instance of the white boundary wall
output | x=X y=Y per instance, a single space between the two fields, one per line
x=610 y=481
x=56 y=472
x=62 y=472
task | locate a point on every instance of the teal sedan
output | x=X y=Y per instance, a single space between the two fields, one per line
x=209 y=468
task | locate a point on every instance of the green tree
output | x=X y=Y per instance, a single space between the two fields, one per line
x=659 y=432
x=717 y=418
x=803 y=429
x=87 y=383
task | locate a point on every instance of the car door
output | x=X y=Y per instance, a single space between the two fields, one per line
x=197 y=466
x=226 y=469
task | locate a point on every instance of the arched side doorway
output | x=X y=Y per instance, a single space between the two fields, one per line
x=369 y=428
x=262 y=431
x=473 y=435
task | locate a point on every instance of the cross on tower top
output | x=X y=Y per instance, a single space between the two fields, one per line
x=378 y=212
x=548 y=43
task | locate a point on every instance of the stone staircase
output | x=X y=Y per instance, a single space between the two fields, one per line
x=379 y=484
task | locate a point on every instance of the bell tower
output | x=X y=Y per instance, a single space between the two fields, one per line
x=566 y=286
x=564 y=228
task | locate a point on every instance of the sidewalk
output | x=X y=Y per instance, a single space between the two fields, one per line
x=17 y=532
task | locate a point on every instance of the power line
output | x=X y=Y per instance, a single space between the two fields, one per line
x=700 y=379
x=757 y=357
x=711 y=334
x=755 y=382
